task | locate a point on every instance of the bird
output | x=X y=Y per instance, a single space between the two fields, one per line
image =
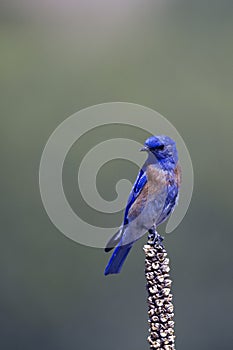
x=151 y=201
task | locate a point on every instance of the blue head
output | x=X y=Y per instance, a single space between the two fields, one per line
x=163 y=150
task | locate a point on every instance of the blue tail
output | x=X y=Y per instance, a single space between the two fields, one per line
x=117 y=259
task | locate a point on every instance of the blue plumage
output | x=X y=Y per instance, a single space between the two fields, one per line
x=117 y=259
x=152 y=199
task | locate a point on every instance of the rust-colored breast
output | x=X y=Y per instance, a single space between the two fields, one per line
x=156 y=177
x=178 y=175
x=156 y=181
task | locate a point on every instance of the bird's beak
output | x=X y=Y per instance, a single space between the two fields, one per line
x=144 y=149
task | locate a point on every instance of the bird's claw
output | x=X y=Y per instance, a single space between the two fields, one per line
x=154 y=237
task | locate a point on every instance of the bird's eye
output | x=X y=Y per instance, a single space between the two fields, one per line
x=160 y=148
x=157 y=148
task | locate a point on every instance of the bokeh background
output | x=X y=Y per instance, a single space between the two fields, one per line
x=58 y=57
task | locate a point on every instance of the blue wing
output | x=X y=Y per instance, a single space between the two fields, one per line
x=136 y=190
x=120 y=253
x=172 y=195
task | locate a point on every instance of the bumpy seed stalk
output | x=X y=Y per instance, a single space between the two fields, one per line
x=160 y=306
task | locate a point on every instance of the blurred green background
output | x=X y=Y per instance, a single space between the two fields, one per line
x=59 y=57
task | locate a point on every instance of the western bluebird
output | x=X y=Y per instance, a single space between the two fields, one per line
x=151 y=200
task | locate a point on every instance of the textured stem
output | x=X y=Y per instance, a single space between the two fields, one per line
x=160 y=306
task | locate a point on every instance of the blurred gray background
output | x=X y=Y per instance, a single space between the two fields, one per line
x=59 y=57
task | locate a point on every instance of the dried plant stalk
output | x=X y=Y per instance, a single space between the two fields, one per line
x=160 y=306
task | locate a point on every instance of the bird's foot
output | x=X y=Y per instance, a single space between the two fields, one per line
x=154 y=237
